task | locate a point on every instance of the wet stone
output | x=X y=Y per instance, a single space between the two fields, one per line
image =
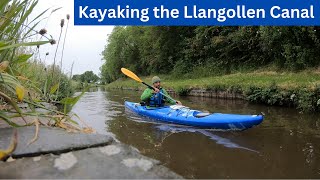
x=110 y=150
x=50 y=140
x=141 y=163
x=65 y=161
x=89 y=164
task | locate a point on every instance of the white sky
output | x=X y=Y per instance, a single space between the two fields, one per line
x=83 y=45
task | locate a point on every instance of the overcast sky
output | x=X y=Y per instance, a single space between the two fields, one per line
x=84 y=44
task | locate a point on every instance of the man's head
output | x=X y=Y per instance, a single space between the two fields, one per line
x=156 y=81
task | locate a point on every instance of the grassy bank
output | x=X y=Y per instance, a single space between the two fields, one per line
x=300 y=90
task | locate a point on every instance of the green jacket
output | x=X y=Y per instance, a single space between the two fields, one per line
x=147 y=93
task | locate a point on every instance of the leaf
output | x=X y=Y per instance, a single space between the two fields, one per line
x=23 y=58
x=10 y=80
x=45 y=87
x=3 y=4
x=24 y=44
x=7 y=119
x=318 y=102
x=26 y=12
x=1 y=78
x=20 y=92
x=4 y=65
x=2 y=43
x=54 y=88
x=23 y=78
x=73 y=100
x=69 y=100
x=31 y=29
x=12 y=146
x=36 y=123
x=39 y=16
x=72 y=121
x=55 y=10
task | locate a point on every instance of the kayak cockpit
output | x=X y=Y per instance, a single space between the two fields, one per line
x=199 y=114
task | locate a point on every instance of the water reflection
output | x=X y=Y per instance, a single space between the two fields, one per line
x=219 y=140
x=308 y=152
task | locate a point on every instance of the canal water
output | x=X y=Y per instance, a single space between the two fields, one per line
x=285 y=145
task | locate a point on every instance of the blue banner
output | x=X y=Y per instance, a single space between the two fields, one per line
x=197 y=12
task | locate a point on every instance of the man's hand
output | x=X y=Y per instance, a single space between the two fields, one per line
x=155 y=90
x=178 y=102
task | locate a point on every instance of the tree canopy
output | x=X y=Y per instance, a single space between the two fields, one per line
x=208 y=50
x=88 y=77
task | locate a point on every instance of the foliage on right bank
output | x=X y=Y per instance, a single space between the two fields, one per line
x=203 y=51
x=302 y=98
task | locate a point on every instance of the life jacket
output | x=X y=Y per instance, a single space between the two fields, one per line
x=156 y=100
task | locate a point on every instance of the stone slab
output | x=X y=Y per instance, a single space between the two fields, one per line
x=116 y=161
x=50 y=140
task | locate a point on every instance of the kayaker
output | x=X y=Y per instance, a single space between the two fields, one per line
x=154 y=97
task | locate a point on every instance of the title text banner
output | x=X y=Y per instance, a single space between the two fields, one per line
x=197 y=12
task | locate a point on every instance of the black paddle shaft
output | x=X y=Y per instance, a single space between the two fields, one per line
x=148 y=85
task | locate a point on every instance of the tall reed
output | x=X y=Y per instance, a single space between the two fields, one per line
x=55 y=54
x=64 y=41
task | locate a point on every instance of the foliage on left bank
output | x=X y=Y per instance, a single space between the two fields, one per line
x=24 y=77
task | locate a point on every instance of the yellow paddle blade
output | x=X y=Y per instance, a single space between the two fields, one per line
x=130 y=74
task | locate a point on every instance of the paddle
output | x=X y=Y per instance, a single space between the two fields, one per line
x=135 y=77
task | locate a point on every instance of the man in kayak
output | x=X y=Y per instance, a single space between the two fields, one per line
x=154 y=98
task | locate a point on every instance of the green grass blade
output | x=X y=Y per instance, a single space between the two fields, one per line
x=24 y=44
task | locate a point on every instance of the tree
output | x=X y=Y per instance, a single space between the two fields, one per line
x=76 y=77
x=208 y=50
x=87 y=76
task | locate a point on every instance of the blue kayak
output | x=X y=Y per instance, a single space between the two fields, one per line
x=183 y=115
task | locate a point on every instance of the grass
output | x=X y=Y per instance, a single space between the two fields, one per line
x=285 y=80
